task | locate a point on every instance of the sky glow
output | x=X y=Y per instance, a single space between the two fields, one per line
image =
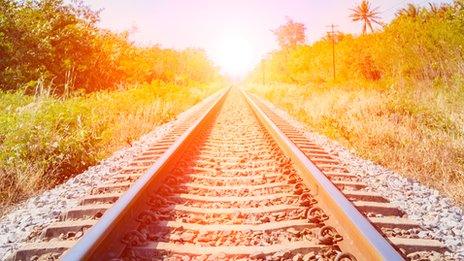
x=236 y=34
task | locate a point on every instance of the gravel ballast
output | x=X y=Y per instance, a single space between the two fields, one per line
x=45 y=208
x=443 y=219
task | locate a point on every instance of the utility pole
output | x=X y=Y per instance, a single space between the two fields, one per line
x=332 y=35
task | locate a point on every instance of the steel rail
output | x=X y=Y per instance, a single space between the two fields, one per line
x=101 y=241
x=367 y=242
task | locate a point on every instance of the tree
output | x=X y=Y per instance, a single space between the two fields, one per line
x=439 y=10
x=410 y=10
x=367 y=15
x=290 y=34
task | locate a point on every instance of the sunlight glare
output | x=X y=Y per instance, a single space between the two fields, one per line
x=234 y=55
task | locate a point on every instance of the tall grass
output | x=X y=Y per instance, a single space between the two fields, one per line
x=398 y=97
x=418 y=132
x=44 y=140
x=426 y=46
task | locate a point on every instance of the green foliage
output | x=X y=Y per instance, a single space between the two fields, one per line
x=398 y=98
x=63 y=98
x=60 y=44
x=45 y=140
x=366 y=14
x=418 y=131
x=424 y=46
x=290 y=34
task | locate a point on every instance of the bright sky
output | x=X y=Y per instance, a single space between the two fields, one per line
x=236 y=34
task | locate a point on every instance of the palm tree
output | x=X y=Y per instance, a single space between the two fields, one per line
x=439 y=10
x=367 y=15
x=434 y=8
x=411 y=11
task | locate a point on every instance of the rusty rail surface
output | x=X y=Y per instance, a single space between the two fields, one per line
x=303 y=180
x=367 y=241
x=97 y=244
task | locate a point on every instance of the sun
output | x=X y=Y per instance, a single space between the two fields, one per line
x=234 y=55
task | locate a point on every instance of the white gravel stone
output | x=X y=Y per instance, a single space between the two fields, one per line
x=45 y=208
x=435 y=212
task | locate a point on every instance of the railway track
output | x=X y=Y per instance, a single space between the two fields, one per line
x=234 y=182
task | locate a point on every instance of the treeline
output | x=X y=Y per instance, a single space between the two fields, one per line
x=59 y=45
x=88 y=86
x=421 y=43
x=398 y=96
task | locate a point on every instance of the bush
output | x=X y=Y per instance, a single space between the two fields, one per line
x=417 y=132
x=398 y=98
x=59 y=44
x=411 y=48
x=44 y=140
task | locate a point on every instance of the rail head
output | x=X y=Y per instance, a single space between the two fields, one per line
x=366 y=239
x=86 y=247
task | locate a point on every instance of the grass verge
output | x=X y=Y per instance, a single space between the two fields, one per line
x=45 y=140
x=418 y=132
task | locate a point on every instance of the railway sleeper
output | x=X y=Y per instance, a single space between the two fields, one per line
x=111 y=187
x=316 y=156
x=156 y=149
x=141 y=162
x=394 y=222
x=134 y=169
x=236 y=187
x=152 y=249
x=31 y=251
x=359 y=195
x=64 y=227
x=231 y=198
x=386 y=209
x=100 y=198
x=330 y=166
x=331 y=162
x=313 y=151
x=81 y=212
x=229 y=178
x=411 y=245
x=339 y=174
x=291 y=132
x=261 y=210
x=312 y=148
x=343 y=178
x=275 y=225
x=152 y=157
x=349 y=184
x=162 y=144
x=156 y=153
x=235 y=170
x=119 y=178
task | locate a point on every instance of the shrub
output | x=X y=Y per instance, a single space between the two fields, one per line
x=422 y=48
x=45 y=140
x=417 y=132
x=59 y=43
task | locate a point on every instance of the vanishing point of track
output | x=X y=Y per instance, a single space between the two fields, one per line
x=234 y=182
